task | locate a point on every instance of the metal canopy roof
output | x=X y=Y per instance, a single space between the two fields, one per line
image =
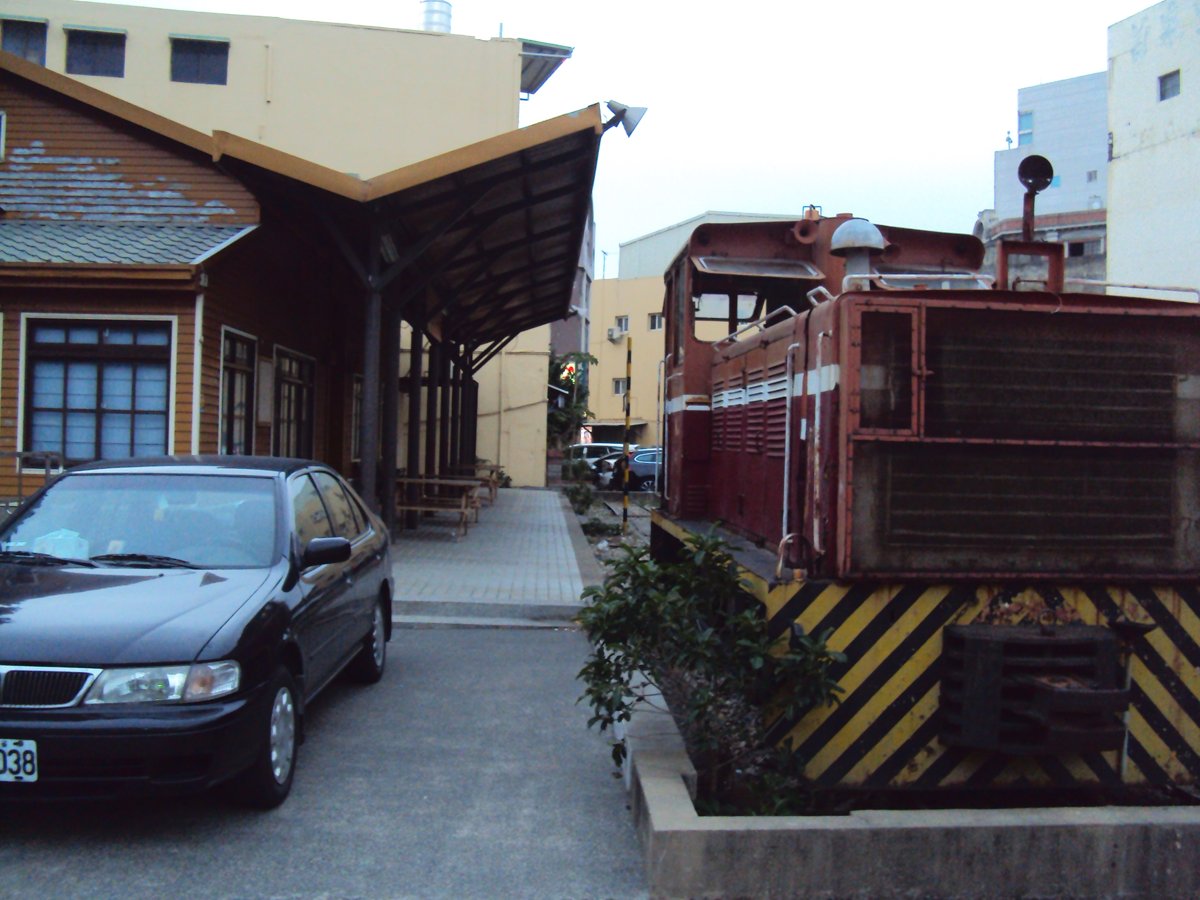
x=539 y=61
x=477 y=244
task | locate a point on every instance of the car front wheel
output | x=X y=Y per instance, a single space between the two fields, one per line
x=268 y=781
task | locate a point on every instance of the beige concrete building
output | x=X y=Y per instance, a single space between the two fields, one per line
x=1154 y=147
x=357 y=99
x=626 y=309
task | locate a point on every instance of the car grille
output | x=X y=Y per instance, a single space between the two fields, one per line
x=43 y=686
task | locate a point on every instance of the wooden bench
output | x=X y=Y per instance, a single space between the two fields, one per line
x=456 y=495
x=488 y=476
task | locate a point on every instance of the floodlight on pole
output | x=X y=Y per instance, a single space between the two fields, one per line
x=628 y=116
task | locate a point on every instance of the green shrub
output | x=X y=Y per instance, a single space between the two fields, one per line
x=576 y=470
x=689 y=630
x=580 y=496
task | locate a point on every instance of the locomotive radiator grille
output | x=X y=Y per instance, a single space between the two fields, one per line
x=955 y=508
x=972 y=496
x=1070 y=378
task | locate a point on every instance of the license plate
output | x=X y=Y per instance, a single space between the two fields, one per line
x=18 y=760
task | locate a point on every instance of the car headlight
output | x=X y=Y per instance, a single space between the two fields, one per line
x=166 y=684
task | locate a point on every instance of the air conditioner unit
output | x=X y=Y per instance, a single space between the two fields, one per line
x=614 y=334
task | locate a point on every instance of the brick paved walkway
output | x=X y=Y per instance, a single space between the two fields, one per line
x=518 y=562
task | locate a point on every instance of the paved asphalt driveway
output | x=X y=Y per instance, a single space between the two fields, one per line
x=467 y=772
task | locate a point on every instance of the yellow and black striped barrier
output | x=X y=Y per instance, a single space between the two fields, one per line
x=884 y=731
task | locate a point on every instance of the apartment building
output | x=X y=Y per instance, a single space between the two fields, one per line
x=1154 y=148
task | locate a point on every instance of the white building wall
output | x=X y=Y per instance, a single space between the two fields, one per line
x=1154 y=176
x=1070 y=130
x=648 y=256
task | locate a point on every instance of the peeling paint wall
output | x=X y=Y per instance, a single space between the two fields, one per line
x=63 y=162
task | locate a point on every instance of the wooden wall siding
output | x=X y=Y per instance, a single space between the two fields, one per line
x=179 y=304
x=66 y=161
x=301 y=298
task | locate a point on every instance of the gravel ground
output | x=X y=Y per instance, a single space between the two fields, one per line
x=607 y=510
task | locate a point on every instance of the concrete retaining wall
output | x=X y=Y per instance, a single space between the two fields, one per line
x=1075 y=852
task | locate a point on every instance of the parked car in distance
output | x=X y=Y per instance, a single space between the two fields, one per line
x=591 y=453
x=603 y=472
x=645 y=470
x=165 y=623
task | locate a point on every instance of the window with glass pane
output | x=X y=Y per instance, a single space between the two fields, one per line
x=341 y=508
x=886 y=396
x=97 y=390
x=294 y=379
x=24 y=39
x=1024 y=128
x=199 y=62
x=237 y=394
x=311 y=519
x=96 y=53
x=1168 y=85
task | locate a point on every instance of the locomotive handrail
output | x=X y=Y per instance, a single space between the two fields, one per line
x=881 y=279
x=819 y=289
x=756 y=323
x=1140 y=287
x=660 y=403
x=787 y=436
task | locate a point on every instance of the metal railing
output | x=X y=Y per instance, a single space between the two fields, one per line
x=27 y=459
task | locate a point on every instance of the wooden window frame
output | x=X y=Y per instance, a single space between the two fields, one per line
x=294 y=436
x=230 y=369
x=100 y=354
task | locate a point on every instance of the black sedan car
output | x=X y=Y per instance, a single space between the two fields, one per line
x=164 y=623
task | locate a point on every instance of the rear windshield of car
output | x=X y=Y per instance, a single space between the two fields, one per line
x=211 y=521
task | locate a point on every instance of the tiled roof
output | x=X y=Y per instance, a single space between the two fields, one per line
x=85 y=242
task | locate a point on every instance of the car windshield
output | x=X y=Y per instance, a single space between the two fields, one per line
x=207 y=521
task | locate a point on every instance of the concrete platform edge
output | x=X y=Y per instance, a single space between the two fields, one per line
x=590 y=570
x=1073 y=852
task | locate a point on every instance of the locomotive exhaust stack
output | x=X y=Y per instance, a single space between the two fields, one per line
x=1036 y=174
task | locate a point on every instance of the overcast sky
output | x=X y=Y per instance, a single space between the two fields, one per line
x=886 y=109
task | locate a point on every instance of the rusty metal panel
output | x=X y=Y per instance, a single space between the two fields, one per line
x=1029 y=689
x=67 y=162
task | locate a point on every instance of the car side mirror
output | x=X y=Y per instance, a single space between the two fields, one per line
x=323 y=550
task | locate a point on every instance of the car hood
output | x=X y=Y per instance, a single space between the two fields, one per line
x=114 y=616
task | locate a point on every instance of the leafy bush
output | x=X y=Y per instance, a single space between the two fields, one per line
x=687 y=629
x=580 y=496
x=576 y=470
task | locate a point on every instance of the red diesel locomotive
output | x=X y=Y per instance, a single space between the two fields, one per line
x=987 y=494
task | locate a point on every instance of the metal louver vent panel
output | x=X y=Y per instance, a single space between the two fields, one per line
x=961 y=509
x=1066 y=378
